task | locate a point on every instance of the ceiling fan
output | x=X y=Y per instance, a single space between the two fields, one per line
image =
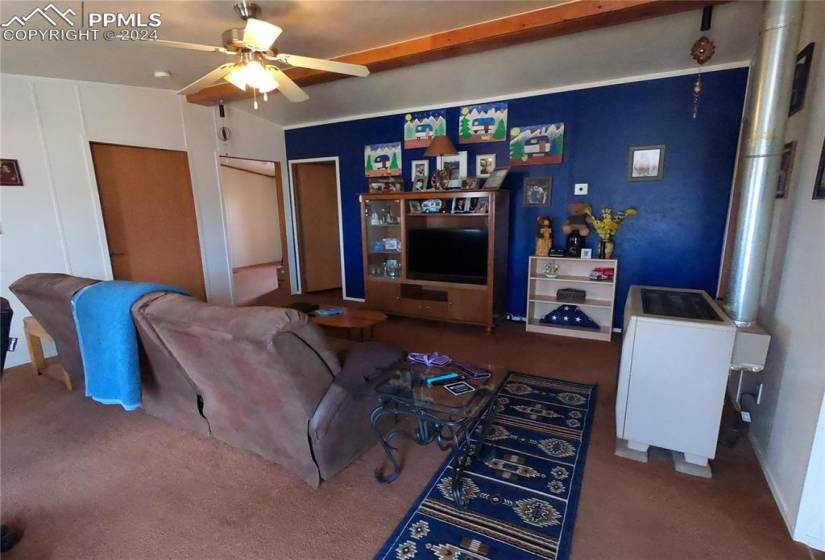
x=254 y=68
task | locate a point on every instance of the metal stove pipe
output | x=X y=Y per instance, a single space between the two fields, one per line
x=763 y=137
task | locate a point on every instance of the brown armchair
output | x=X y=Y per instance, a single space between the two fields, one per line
x=262 y=379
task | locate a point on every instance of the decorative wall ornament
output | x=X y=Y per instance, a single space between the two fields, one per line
x=702 y=51
x=10 y=173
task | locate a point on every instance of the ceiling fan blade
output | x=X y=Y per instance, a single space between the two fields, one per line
x=289 y=88
x=190 y=46
x=259 y=34
x=208 y=79
x=321 y=64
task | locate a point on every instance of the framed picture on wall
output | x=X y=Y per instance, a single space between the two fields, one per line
x=420 y=168
x=800 y=78
x=456 y=164
x=485 y=164
x=10 y=173
x=785 y=169
x=819 y=185
x=387 y=185
x=646 y=163
x=537 y=191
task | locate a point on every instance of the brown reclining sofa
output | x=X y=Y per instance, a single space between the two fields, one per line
x=258 y=378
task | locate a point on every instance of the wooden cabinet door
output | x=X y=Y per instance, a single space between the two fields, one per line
x=382 y=296
x=468 y=305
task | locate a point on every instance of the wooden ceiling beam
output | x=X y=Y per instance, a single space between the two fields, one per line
x=544 y=23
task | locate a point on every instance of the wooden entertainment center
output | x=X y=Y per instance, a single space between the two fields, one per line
x=387 y=220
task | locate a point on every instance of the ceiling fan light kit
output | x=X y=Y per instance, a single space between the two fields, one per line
x=254 y=45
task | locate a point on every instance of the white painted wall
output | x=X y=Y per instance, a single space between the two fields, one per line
x=793 y=308
x=54 y=223
x=252 y=219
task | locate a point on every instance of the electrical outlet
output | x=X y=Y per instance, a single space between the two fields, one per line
x=580 y=188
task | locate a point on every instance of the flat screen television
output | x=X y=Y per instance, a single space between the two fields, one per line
x=447 y=255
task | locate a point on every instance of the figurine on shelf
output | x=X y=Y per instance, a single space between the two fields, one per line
x=575 y=228
x=544 y=236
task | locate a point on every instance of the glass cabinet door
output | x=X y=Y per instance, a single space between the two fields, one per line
x=383 y=219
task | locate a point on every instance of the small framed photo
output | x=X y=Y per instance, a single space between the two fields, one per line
x=646 y=163
x=456 y=164
x=420 y=168
x=586 y=253
x=454 y=184
x=785 y=169
x=391 y=244
x=420 y=183
x=496 y=178
x=10 y=173
x=415 y=207
x=800 y=78
x=461 y=205
x=471 y=183
x=819 y=184
x=387 y=185
x=480 y=205
x=537 y=191
x=485 y=164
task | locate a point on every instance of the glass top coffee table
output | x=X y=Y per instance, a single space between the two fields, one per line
x=440 y=417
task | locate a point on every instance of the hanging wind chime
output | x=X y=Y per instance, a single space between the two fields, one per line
x=702 y=51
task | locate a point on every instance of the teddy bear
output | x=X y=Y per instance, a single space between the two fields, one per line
x=577 y=220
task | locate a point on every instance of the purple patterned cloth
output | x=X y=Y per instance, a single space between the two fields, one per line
x=432 y=359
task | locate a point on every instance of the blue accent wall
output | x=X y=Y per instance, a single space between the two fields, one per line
x=675 y=240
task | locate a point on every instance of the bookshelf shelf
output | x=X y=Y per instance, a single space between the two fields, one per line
x=572 y=273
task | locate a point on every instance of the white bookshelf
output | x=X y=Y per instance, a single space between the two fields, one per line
x=573 y=273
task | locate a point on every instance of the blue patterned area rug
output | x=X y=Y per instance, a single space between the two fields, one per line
x=522 y=490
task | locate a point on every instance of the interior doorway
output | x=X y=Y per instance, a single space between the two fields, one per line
x=256 y=228
x=149 y=215
x=316 y=204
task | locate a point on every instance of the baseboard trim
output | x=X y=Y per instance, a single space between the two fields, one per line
x=772 y=485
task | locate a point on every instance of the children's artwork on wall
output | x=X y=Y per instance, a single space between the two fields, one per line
x=382 y=160
x=486 y=122
x=539 y=144
x=420 y=128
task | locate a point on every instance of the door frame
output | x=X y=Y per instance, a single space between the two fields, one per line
x=285 y=223
x=295 y=272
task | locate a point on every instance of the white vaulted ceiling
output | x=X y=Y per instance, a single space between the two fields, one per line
x=328 y=29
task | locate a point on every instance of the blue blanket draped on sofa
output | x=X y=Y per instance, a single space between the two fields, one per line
x=108 y=339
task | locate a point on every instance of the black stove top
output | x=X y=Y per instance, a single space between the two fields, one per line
x=685 y=305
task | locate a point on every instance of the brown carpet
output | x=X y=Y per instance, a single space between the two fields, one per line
x=92 y=481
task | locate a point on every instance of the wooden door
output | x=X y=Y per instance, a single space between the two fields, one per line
x=316 y=201
x=149 y=215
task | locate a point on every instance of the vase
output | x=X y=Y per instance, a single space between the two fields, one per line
x=606 y=247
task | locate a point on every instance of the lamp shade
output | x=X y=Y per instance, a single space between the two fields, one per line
x=440 y=146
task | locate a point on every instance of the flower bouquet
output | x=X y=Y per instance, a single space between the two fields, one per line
x=607 y=226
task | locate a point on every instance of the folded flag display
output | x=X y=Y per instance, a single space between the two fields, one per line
x=569 y=316
x=433 y=359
